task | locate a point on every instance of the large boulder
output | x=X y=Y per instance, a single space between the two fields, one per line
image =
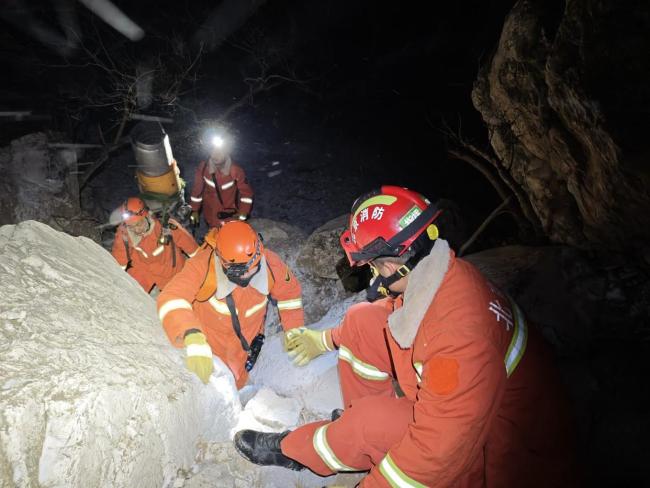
x=322 y=250
x=92 y=393
x=313 y=260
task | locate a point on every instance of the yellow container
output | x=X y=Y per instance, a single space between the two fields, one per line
x=166 y=184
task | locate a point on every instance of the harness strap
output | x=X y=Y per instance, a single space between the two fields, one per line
x=235 y=323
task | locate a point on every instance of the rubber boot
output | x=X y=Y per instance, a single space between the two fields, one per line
x=264 y=448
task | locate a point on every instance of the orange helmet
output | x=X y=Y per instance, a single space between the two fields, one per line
x=133 y=210
x=238 y=246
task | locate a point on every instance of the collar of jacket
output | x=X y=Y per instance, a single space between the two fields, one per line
x=423 y=284
x=225 y=287
x=224 y=171
x=135 y=240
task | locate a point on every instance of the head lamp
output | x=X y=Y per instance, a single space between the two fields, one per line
x=218 y=142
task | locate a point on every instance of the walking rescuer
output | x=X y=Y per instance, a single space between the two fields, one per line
x=444 y=382
x=220 y=188
x=217 y=303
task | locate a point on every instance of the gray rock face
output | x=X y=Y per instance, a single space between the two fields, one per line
x=313 y=260
x=91 y=392
x=39 y=183
x=322 y=250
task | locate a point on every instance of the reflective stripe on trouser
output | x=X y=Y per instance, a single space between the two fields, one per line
x=395 y=476
x=364 y=361
x=357 y=440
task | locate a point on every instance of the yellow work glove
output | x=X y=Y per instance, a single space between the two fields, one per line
x=194 y=218
x=303 y=344
x=199 y=356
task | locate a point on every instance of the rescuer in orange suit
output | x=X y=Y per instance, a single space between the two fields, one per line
x=443 y=381
x=217 y=303
x=149 y=253
x=220 y=188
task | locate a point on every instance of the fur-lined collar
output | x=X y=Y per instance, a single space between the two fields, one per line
x=224 y=170
x=421 y=290
x=225 y=287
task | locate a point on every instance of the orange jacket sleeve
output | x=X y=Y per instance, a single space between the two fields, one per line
x=196 y=196
x=175 y=301
x=286 y=291
x=245 y=191
x=184 y=239
x=460 y=390
x=119 y=249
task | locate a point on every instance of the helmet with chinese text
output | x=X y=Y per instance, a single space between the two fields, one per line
x=386 y=222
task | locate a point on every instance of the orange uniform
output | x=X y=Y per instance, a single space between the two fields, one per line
x=481 y=403
x=220 y=193
x=179 y=308
x=153 y=263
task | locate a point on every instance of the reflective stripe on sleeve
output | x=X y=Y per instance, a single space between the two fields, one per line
x=325 y=452
x=141 y=251
x=202 y=350
x=395 y=476
x=362 y=369
x=158 y=250
x=219 y=306
x=196 y=199
x=194 y=253
x=171 y=305
x=246 y=200
x=225 y=186
x=256 y=308
x=124 y=267
x=518 y=342
x=292 y=304
x=211 y=183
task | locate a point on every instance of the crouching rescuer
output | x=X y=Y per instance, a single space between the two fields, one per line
x=217 y=304
x=149 y=251
x=444 y=382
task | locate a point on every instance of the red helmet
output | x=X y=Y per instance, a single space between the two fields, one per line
x=385 y=223
x=133 y=210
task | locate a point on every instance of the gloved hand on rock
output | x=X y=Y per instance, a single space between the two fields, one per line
x=199 y=355
x=303 y=344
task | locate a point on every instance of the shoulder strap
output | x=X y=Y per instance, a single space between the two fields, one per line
x=230 y=301
x=216 y=188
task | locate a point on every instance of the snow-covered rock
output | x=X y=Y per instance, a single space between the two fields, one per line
x=91 y=392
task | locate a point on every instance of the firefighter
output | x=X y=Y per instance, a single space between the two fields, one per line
x=444 y=382
x=220 y=186
x=148 y=252
x=217 y=304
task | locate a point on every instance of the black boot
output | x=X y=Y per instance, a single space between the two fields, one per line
x=264 y=448
x=336 y=413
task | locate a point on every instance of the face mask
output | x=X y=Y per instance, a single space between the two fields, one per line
x=235 y=275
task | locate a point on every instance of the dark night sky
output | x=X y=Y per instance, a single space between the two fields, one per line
x=382 y=76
